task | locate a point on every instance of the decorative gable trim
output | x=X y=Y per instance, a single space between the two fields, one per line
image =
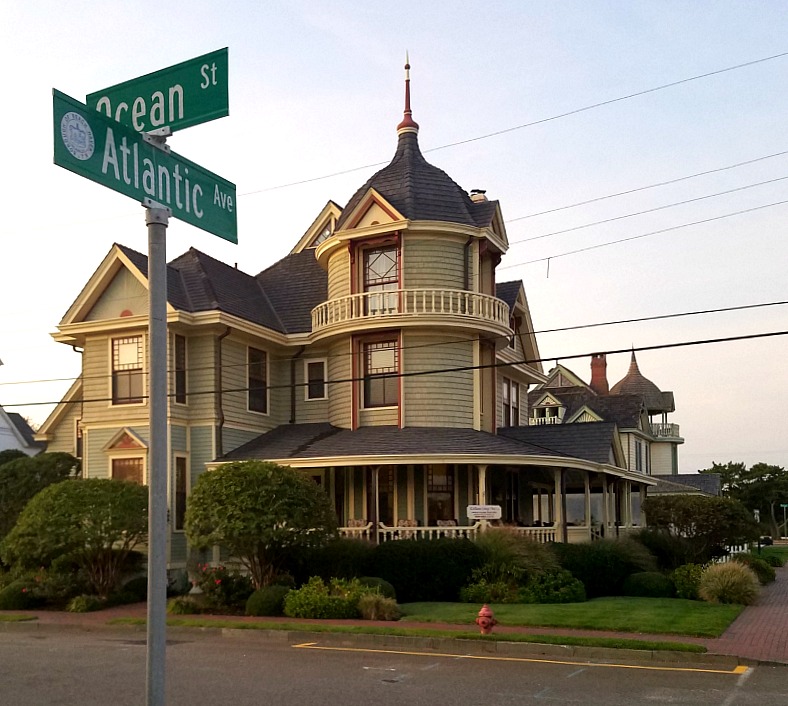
x=370 y=200
x=584 y=414
x=125 y=440
x=98 y=283
x=548 y=400
x=560 y=376
x=326 y=219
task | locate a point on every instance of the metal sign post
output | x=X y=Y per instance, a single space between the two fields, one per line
x=119 y=143
x=157 y=218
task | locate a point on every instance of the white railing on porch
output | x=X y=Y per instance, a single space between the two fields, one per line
x=386 y=533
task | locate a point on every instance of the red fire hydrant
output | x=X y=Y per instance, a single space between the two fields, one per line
x=486 y=620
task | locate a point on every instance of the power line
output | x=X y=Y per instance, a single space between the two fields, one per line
x=649 y=186
x=541 y=121
x=575 y=327
x=649 y=210
x=642 y=235
x=442 y=371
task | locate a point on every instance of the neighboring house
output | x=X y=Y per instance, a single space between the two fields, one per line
x=16 y=433
x=708 y=484
x=636 y=405
x=380 y=357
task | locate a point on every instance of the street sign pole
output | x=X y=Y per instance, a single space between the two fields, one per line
x=157 y=219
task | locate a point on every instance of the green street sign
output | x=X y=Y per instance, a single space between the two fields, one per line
x=189 y=93
x=100 y=149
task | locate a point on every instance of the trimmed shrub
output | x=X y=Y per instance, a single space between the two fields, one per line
x=484 y=591
x=686 y=579
x=85 y=604
x=340 y=558
x=184 y=605
x=603 y=565
x=773 y=560
x=761 y=568
x=267 y=601
x=728 y=583
x=556 y=586
x=374 y=606
x=649 y=584
x=384 y=587
x=19 y=595
x=426 y=570
x=223 y=590
x=507 y=553
x=136 y=589
x=336 y=600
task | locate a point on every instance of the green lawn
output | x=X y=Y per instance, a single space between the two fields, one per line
x=10 y=618
x=638 y=615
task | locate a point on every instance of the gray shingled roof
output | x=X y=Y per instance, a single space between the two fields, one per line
x=624 y=410
x=304 y=441
x=25 y=430
x=705 y=483
x=508 y=291
x=420 y=191
x=591 y=442
x=280 y=298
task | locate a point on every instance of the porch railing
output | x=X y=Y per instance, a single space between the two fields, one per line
x=386 y=533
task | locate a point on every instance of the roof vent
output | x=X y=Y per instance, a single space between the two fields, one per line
x=478 y=195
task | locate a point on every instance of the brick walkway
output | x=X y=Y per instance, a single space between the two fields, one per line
x=759 y=633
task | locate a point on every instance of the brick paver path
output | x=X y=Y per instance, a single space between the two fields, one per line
x=761 y=631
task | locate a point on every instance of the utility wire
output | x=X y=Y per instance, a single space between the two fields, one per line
x=442 y=371
x=644 y=188
x=649 y=210
x=541 y=121
x=434 y=344
x=642 y=235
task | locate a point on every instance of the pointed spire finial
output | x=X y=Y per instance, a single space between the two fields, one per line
x=408 y=124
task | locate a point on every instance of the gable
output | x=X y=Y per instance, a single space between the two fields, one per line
x=125 y=295
x=563 y=377
x=125 y=440
x=547 y=400
x=370 y=211
x=321 y=229
x=584 y=414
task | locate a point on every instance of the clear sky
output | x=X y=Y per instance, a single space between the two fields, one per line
x=316 y=89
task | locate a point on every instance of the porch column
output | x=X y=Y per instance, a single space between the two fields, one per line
x=605 y=506
x=627 y=503
x=482 y=498
x=587 y=499
x=375 y=503
x=643 y=519
x=558 y=503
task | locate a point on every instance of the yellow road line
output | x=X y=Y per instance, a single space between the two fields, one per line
x=315 y=646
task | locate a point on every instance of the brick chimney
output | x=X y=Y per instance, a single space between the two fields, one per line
x=599 y=374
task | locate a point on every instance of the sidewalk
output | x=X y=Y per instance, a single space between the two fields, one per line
x=759 y=634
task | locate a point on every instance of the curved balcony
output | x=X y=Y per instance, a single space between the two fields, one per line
x=412 y=307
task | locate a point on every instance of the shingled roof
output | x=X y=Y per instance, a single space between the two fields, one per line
x=635 y=383
x=624 y=410
x=508 y=291
x=280 y=298
x=322 y=440
x=591 y=442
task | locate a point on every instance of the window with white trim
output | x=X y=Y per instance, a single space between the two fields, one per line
x=127 y=373
x=381 y=365
x=510 y=399
x=258 y=380
x=315 y=379
x=179 y=368
x=129 y=468
x=180 y=490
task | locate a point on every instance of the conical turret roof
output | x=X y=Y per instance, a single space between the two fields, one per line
x=417 y=189
x=635 y=383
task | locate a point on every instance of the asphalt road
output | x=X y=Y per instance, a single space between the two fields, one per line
x=73 y=668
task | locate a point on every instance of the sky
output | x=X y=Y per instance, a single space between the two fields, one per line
x=543 y=104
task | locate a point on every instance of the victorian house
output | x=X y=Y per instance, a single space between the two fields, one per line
x=381 y=357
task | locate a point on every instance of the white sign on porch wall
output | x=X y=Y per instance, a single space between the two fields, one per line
x=483 y=512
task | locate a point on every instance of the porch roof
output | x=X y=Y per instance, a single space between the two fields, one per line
x=584 y=442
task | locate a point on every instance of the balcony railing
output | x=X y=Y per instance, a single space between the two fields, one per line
x=409 y=303
x=387 y=534
x=665 y=431
x=539 y=421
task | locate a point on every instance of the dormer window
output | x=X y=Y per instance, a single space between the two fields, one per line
x=325 y=234
x=381 y=278
x=547 y=414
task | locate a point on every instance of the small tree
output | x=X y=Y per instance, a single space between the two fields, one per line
x=22 y=477
x=261 y=512
x=703 y=526
x=96 y=522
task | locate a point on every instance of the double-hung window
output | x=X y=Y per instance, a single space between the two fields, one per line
x=127 y=375
x=315 y=374
x=258 y=380
x=179 y=368
x=381 y=365
x=510 y=398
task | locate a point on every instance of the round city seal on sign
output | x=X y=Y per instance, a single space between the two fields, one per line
x=77 y=136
